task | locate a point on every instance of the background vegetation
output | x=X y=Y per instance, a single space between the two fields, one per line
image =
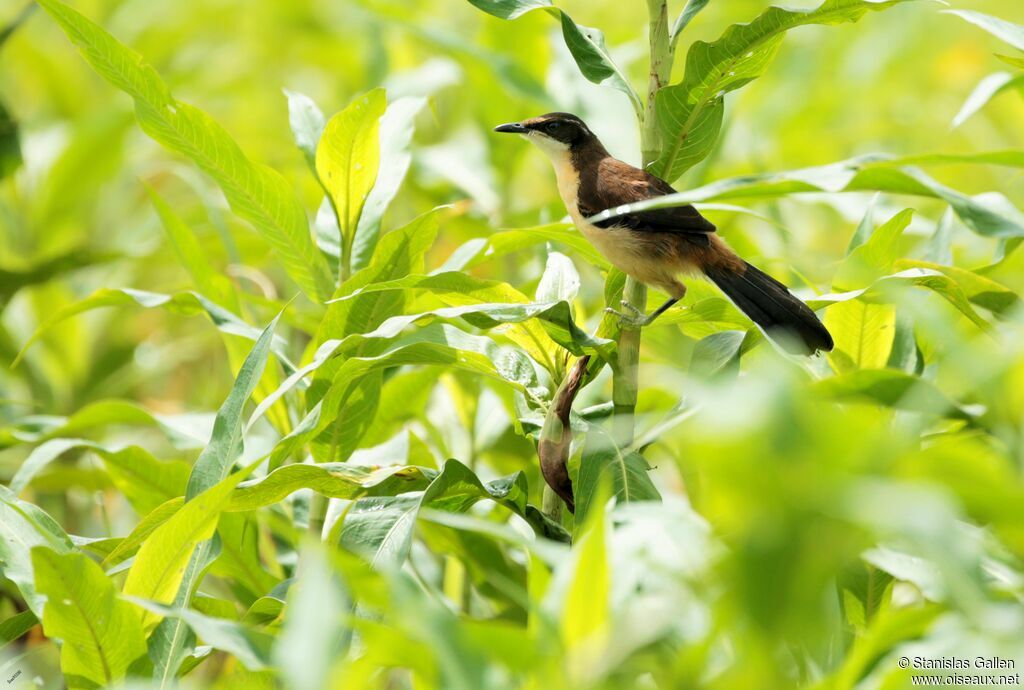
x=772 y=522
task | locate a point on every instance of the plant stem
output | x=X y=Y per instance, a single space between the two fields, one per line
x=317 y=515
x=624 y=382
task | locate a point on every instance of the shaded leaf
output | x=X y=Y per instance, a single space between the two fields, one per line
x=863 y=333
x=101 y=634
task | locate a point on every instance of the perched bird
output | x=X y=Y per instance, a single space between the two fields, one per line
x=656 y=246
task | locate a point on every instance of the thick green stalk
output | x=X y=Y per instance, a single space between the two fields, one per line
x=624 y=382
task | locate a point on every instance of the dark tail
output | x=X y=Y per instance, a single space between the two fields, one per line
x=772 y=307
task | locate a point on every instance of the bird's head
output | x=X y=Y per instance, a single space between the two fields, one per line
x=554 y=133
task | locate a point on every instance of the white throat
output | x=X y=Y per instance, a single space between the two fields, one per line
x=565 y=174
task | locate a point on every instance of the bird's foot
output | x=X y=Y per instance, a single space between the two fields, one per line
x=634 y=319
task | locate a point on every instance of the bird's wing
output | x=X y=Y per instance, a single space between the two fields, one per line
x=618 y=183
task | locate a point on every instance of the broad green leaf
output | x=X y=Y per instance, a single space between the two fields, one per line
x=225 y=445
x=172 y=643
x=626 y=473
x=990 y=215
x=980 y=290
x=400 y=253
x=185 y=431
x=690 y=113
x=720 y=352
x=22 y=527
x=586 y=624
x=560 y=281
x=185 y=303
x=891 y=388
x=250 y=646
x=381 y=527
x=396 y=129
x=935 y=280
x=336 y=480
x=863 y=333
x=127 y=547
x=15 y=627
x=161 y=562
x=145 y=481
x=313 y=634
x=498 y=244
x=866 y=591
x=255 y=192
x=1000 y=28
x=875 y=257
x=347 y=160
x=101 y=634
x=585 y=43
x=987 y=89
x=509 y=9
x=486 y=304
x=307 y=123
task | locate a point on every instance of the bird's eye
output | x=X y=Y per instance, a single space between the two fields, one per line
x=551 y=126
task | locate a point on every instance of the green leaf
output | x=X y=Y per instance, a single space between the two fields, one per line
x=127 y=547
x=101 y=634
x=145 y=481
x=185 y=303
x=250 y=646
x=980 y=290
x=863 y=333
x=626 y=472
x=191 y=255
x=560 y=280
x=485 y=304
x=690 y=113
x=586 y=44
x=15 y=627
x=990 y=215
x=380 y=528
x=396 y=129
x=498 y=244
x=255 y=192
x=22 y=527
x=891 y=388
x=509 y=9
x=1000 y=28
x=987 y=89
x=313 y=634
x=586 y=617
x=935 y=280
x=1012 y=61
x=225 y=445
x=347 y=159
x=875 y=257
x=400 y=253
x=335 y=480
x=307 y=123
x=160 y=565
x=186 y=431
x=10 y=145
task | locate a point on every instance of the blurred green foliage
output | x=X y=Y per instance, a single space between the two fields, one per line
x=777 y=523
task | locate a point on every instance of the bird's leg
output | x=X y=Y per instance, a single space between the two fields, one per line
x=637 y=318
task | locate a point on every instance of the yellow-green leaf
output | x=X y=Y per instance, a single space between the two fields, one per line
x=863 y=334
x=101 y=634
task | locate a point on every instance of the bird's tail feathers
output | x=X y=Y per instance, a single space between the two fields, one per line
x=773 y=307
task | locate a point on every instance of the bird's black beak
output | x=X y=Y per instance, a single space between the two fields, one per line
x=512 y=128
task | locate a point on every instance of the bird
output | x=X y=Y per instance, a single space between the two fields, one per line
x=657 y=246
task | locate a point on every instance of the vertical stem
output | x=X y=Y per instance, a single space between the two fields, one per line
x=317 y=515
x=624 y=381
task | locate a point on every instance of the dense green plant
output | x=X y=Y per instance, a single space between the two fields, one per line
x=366 y=507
